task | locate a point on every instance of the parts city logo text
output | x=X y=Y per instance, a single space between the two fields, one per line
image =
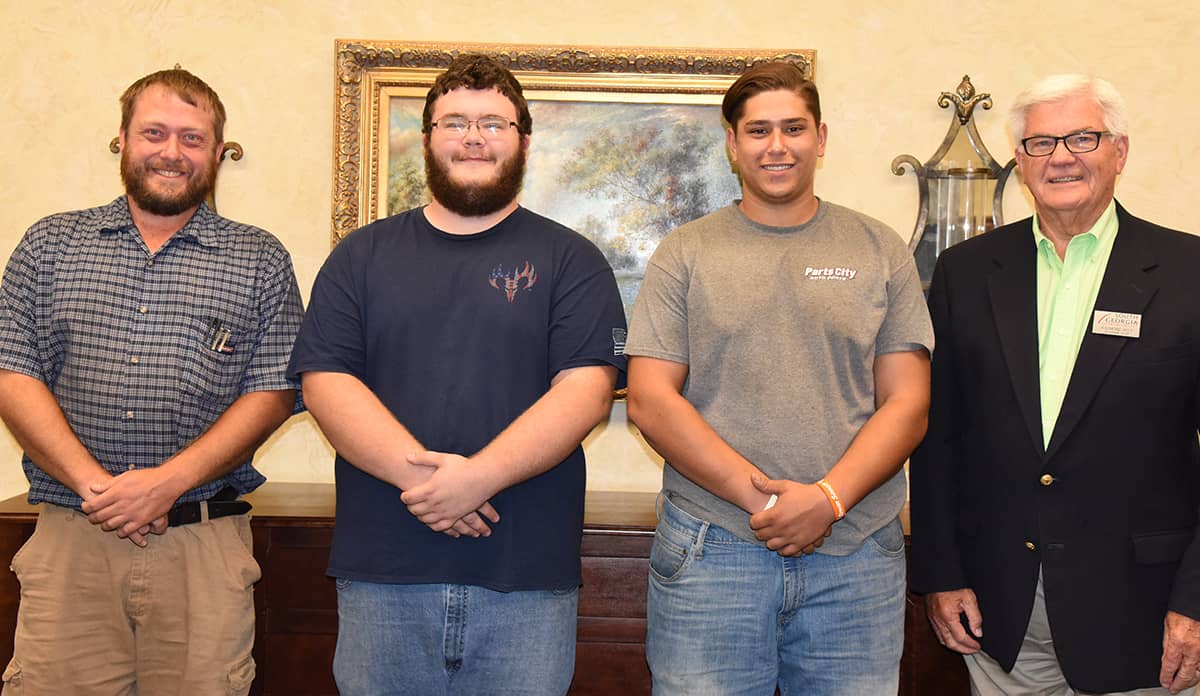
x=838 y=273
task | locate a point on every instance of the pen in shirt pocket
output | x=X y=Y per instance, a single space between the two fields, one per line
x=218 y=339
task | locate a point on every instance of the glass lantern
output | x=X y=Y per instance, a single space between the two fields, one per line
x=961 y=187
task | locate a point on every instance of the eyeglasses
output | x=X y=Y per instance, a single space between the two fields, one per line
x=489 y=126
x=1078 y=143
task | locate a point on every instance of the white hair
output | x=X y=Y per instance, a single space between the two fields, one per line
x=1057 y=87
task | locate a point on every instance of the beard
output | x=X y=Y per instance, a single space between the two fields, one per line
x=476 y=199
x=136 y=177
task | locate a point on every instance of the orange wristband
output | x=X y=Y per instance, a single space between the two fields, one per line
x=835 y=501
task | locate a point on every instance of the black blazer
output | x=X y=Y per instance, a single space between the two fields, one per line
x=1109 y=509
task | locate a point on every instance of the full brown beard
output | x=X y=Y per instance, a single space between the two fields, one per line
x=135 y=175
x=476 y=200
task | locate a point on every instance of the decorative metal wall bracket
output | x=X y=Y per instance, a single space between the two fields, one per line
x=961 y=186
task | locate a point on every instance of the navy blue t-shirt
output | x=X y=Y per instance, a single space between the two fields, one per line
x=458 y=335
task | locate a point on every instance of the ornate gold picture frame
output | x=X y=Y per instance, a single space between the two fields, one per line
x=672 y=93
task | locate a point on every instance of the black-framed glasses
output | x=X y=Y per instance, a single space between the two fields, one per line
x=1078 y=143
x=489 y=126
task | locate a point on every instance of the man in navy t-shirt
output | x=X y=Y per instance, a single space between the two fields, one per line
x=456 y=355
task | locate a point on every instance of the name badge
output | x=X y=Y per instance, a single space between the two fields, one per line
x=1117 y=324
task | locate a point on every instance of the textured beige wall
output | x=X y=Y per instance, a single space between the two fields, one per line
x=880 y=67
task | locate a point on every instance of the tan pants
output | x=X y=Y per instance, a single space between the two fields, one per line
x=102 y=617
x=1036 y=672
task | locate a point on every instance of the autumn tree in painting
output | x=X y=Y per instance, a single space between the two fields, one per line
x=616 y=247
x=406 y=184
x=657 y=172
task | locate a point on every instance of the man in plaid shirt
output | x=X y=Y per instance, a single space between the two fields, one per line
x=143 y=347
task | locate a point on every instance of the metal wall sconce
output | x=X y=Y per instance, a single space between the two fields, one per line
x=961 y=187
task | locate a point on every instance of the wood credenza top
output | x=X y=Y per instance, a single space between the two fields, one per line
x=628 y=511
x=315 y=502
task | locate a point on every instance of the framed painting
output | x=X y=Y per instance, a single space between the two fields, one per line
x=627 y=143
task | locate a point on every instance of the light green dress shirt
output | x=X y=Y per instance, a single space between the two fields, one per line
x=1066 y=290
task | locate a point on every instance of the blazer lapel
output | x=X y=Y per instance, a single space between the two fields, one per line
x=1013 y=292
x=1126 y=287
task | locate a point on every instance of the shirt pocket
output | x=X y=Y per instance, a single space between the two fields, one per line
x=215 y=359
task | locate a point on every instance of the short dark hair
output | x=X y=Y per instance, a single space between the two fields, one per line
x=184 y=85
x=768 y=77
x=476 y=71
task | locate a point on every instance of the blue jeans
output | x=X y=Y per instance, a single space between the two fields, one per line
x=727 y=617
x=428 y=640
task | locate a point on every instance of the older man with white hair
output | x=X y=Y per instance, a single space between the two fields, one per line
x=1055 y=496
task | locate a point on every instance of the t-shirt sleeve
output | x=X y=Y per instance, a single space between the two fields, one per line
x=906 y=327
x=587 y=323
x=331 y=337
x=658 y=327
x=280 y=312
x=18 y=313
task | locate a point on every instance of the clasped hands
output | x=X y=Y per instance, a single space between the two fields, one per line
x=799 y=521
x=453 y=496
x=133 y=504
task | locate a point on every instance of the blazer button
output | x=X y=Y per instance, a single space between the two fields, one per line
x=1029 y=545
x=1046 y=479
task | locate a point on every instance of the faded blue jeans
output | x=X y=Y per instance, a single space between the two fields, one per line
x=728 y=617
x=432 y=640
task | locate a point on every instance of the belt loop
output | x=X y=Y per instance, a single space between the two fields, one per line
x=700 y=540
x=203 y=512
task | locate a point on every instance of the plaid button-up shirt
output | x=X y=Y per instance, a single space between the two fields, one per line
x=144 y=351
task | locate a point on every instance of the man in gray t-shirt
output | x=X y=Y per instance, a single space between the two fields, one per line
x=780 y=364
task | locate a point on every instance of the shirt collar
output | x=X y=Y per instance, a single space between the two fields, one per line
x=1104 y=226
x=204 y=226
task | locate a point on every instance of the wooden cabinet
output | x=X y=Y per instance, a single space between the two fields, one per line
x=296 y=605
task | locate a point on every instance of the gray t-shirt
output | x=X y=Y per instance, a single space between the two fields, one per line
x=780 y=327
